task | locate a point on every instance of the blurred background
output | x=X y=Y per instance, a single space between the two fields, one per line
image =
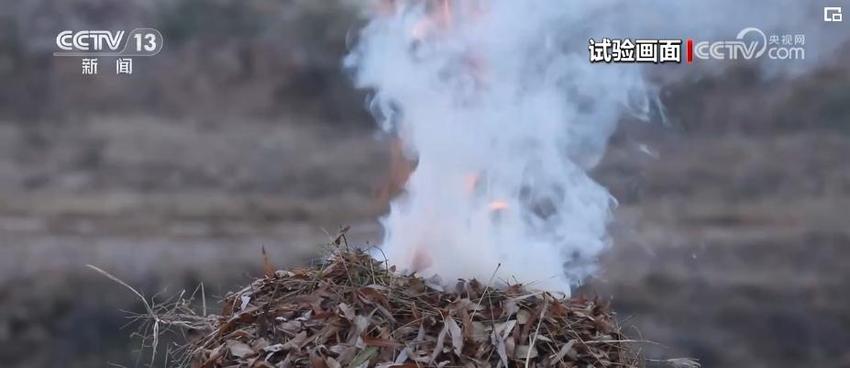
x=730 y=243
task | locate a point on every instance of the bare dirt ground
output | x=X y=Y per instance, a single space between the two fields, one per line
x=729 y=249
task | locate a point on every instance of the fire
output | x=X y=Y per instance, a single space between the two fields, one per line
x=400 y=168
x=421 y=29
x=470 y=182
x=385 y=7
x=439 y=19
x=498 y=205
x=421 y=259
x=447 y=11
x=484 y=92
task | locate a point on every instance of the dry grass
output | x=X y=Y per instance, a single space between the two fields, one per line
x=353 y=311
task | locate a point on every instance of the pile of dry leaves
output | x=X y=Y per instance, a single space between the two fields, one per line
x=352 y=311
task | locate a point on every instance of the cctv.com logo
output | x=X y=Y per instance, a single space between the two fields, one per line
x=750 y=43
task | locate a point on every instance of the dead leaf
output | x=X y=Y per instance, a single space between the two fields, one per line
x=363 y=357
x=352 y=312
x=504 y=329
x=456 y=335
x=245 y=298
x=316 y=361
x=240 y=349
x=332 y=363
x=566 y=350
x=524 y=352
x=268 y=269
x=296 y=342
x=384 y=343
x=438 y=347
x=346 y=311
x=522 y=316
x=273 y=348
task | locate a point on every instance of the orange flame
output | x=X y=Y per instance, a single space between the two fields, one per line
x=421 y=259
x=447 y=12
x=385 y=7
x=399 y=172
x=498 y=205
x=470 y=181
x=439 y=18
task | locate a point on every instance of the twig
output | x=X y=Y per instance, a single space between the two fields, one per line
x=536 y=332
x=144 y=301
x=486 y=289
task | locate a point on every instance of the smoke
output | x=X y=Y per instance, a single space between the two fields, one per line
x=504 y=114
x=504 y=118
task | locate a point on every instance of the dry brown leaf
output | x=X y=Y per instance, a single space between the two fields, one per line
x=240 y=349
x=456 y=335
x=566 y=350
x=524 y=351
x=384 y=343
x=346 y=311
x=522 y=316
x=351 y=311
x=296 y=342
x=268 y=269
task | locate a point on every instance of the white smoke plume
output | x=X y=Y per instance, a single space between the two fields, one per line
x=500 y=106
x=504 y=117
